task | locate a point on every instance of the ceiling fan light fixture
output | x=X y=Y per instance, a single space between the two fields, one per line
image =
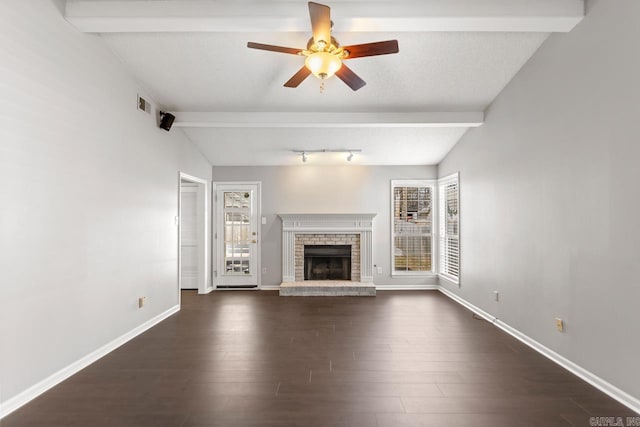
x=323 y=64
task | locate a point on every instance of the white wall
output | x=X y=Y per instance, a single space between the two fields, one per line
x=550 y=200
x=326 y=189
x=88 y=193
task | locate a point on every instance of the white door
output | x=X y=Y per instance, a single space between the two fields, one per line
x=193 y=236
x=238 y=239
x=189 y=237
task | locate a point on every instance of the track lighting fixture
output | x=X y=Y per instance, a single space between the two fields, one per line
x=304 y=157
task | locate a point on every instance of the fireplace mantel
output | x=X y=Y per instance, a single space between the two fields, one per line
x=312 y=223
x=326 y=223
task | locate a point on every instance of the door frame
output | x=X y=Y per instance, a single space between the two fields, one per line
x=217 y=262
x=204 y=285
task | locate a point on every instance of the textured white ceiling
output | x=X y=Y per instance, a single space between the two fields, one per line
x=434 y=71
x=381 y=146
x=217 y=72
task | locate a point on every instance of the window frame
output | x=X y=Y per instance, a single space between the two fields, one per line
x=442 y=236
x=433 y=185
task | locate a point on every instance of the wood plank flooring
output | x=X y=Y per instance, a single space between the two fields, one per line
x=242 y=358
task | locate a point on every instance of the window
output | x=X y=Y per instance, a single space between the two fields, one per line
x=412 y=227
x=449 y=228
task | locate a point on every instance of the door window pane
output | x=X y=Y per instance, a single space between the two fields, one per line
x=240 y=199
x=237 y=233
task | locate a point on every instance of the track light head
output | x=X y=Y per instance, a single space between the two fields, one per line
x=304 y=157
x=350 y=156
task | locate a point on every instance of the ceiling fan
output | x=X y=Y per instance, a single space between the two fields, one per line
x=324 y=55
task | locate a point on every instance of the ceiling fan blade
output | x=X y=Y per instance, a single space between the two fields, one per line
x=352 y=80
x=273 y=48
x=372 y=49
x=320 y=22
x=298 y=77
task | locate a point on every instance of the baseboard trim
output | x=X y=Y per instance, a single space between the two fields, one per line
x=378 y=288
x=477 y=310
x=602 y=385
x=407 y=287
x=37 y=389
x=599 y=383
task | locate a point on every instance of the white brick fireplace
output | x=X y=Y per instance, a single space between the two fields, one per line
x=327 y=229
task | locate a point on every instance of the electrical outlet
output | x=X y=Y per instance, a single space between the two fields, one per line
x=141 y=301
x=559 y=324
x=379 y=270
x=264 y=270
x=496 y=296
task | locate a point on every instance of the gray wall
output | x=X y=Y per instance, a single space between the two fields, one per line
x=326 y=189
x=89 y=190
x=549 y=196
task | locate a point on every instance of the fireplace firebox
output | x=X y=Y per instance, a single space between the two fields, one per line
x=327 y=262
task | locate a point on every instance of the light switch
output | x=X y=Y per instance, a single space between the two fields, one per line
x=264 y=220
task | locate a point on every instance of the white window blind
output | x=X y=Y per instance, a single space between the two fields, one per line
x=412 y=227
x=449 y=228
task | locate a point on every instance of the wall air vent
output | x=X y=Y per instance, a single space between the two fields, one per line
x=143 y=105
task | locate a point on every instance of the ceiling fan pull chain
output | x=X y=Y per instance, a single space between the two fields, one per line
x=321 y=86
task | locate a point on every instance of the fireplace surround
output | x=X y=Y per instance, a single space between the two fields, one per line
x=352 y=230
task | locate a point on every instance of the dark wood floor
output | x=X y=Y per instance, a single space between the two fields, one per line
x=256 y=359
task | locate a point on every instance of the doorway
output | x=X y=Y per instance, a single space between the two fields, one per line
x=193 y=271
x=238 y=248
